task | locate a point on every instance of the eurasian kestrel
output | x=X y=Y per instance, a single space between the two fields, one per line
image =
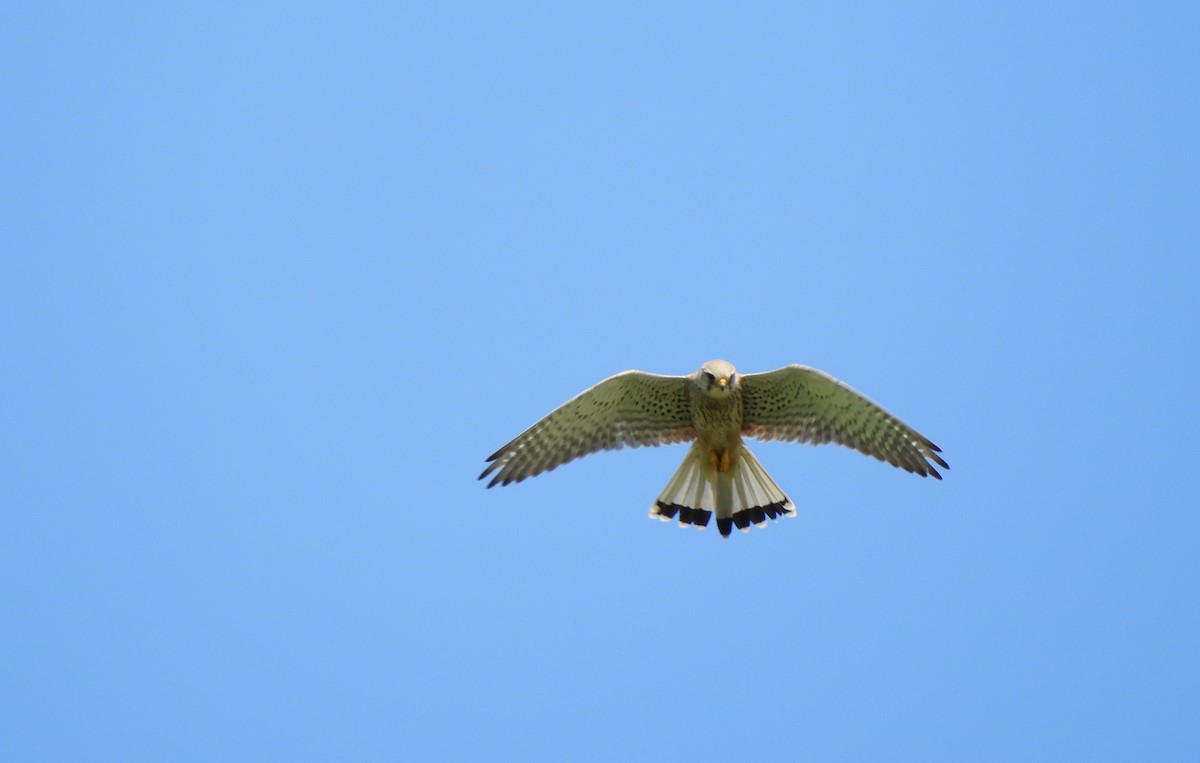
x=715 y=408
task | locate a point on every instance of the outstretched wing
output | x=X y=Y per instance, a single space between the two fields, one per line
x=631 y=408
x=802 y=404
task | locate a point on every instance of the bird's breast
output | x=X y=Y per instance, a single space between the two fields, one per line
x=718 y=423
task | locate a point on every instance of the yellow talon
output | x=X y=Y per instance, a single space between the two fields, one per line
x=719 y=460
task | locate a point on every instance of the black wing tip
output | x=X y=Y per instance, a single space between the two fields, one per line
x=497 y=454
x=484 y=474
x=922 y=470
x=940 y=462
x=500 y=477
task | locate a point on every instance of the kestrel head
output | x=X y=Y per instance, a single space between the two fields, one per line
x=717 y=378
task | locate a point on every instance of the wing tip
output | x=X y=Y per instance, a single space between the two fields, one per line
x=484 y=474
x=940 y=462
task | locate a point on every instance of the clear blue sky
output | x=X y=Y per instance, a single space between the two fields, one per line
x=276 y=279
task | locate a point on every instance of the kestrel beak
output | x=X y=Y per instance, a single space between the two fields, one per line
x=722 y=383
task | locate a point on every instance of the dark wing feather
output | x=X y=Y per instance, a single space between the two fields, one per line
x=802 y=404
x=632 y=408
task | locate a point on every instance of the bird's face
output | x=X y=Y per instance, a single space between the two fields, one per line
x=717 y=378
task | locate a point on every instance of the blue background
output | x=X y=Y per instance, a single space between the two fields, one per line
x=277 y=278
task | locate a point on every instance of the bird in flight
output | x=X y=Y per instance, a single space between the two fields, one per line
x=714 y=409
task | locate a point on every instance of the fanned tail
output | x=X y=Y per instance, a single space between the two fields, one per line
x=742 y=495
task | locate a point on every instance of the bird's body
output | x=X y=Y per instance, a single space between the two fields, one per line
x=714 y=408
